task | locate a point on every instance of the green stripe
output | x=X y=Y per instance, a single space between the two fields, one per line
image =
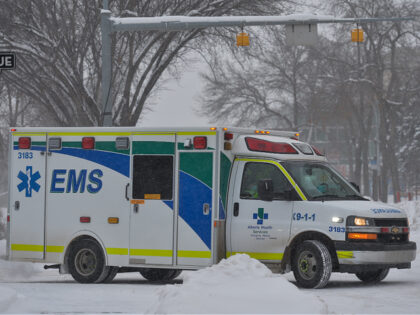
x=33 y=143
x=153 y=147
x=259 y=256
x=198 y=165
x=151 y=252
x=27 y=247
x=117 y=251
x=345 y=254
x=194 y=254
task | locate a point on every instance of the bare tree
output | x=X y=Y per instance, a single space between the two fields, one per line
x=58 y=46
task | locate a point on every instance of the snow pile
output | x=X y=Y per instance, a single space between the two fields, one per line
x=13 y=270
x=3 y=223
x=238 y=284
x=412 y=209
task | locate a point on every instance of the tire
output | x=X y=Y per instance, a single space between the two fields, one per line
x=113 y=270
x=87 y=262
x=373 y=276
x=312 y=265
x=155 y=274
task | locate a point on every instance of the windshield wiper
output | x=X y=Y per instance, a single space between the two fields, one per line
x=323 y=197
x=355 y=197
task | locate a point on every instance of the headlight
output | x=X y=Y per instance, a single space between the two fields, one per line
x=358 y=221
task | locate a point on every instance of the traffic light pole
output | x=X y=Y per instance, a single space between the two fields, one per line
x=111 y=25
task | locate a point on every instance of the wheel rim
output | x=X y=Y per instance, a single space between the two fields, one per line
x=85 y=262
x=307 y=266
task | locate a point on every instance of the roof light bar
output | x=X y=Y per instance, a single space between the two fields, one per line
x=259 y=145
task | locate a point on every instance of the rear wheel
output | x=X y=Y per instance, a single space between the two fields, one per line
x=373 y=276
x=156 y=274
x=312 y=265
x=87 y=262
x=111 y=274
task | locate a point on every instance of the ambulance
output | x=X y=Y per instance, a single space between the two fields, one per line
x=94 y=202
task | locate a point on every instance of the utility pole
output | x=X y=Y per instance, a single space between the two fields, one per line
x=111 y=25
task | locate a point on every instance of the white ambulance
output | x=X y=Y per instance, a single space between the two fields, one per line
x=97 y=201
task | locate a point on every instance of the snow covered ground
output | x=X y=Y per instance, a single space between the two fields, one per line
x=237 y=285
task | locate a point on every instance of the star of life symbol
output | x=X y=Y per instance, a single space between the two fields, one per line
x=28 y=181
x=260 y=216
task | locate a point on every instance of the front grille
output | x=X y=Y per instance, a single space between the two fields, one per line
x=391 y=222
x=393 y=238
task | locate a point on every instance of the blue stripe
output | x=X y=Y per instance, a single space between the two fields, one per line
x=222 y=215
x=193 y=194
x=169 y=203
x=115 y=161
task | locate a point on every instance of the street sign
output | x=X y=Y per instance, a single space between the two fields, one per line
x=302 y=34
x=7 y=60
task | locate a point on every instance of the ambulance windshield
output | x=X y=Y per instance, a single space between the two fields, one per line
x=319 y=181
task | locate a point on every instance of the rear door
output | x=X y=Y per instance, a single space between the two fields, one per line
x=152 y=202
x=259 y=228
x=195 y=202
x=27 y=196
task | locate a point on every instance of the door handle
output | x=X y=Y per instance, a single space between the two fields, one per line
x=17 y=205
x=236 y=209
x=126 y=191
x=136 y=208
x=206 y=209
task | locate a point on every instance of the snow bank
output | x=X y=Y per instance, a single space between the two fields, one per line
x=412 y=208
x=12 y=270
x=238 y=284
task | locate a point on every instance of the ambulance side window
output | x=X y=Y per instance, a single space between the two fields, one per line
x=254 y=172
x=153 y=177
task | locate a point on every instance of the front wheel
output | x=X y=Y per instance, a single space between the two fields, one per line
x=87 y=262
x=156 y=274
x=312 y=264
x=373 y=276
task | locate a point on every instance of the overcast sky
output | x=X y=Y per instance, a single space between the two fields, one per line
x=175 y=105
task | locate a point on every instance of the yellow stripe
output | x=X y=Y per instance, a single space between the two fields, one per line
x=27 y=248
x=28 y=134
x=55 y=249
x=194 y=254
x=153 y=133
x=89 y=133
x=283 y=170
x=151 y=252
x=345 y=254
x=259 y=256
x=117 y=251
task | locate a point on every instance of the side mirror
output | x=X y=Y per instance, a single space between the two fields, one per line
x=355 y=186
x=265 y=189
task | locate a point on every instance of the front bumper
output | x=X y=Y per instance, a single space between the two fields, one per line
x=391 y=255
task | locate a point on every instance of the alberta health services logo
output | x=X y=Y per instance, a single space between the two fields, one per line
x=260 y=231
x=29 y=181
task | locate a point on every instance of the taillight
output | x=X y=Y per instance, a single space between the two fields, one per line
x=84 y=219
x=228 y=136
x=200 y=142
x=24 y=143
x=260 y=145
x=88 y=143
